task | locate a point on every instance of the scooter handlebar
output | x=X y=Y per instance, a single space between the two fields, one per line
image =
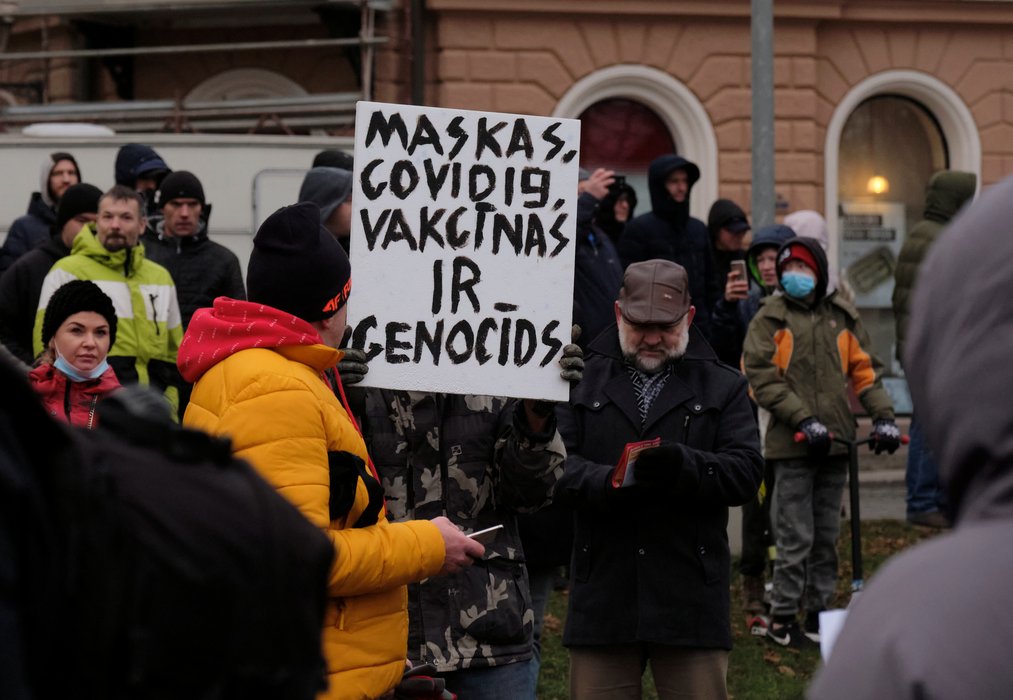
x=800 y=437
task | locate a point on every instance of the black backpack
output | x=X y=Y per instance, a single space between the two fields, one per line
x=142 y=561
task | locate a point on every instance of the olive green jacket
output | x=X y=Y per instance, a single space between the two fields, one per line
x=946 y=193
x=799 y=361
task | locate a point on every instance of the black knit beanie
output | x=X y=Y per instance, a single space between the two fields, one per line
x=297 y=266
x=179 y=185
x=78 y=199
x=74 y=297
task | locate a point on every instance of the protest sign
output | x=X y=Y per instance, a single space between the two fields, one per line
x=463 y=240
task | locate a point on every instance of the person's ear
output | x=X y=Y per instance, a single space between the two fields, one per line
x=689 y=315
x=618 y=312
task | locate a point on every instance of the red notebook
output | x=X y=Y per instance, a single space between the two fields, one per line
x=624 y=474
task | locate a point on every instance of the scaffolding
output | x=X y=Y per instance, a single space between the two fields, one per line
x=319 y=111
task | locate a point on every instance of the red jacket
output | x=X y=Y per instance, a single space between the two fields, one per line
x=73 y=402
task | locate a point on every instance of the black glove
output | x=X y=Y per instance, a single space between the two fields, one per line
x=885 y=436
x=352 y=367
x=659 y=465
x=418 y=684
x=572 y=360
x=816 y=435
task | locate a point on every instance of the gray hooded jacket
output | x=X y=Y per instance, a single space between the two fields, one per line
x=937 y=620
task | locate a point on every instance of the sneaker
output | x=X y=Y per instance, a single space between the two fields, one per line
x=789 y=635
x=758 y=625
x=811 y=626
x=933 y=519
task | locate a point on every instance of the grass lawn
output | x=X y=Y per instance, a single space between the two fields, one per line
x=756 y=668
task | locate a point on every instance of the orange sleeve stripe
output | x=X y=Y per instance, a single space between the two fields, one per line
x=784 y=345
x=855 y=362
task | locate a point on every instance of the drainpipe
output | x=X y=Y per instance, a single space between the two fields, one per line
x=418 y=34
x=763 y=199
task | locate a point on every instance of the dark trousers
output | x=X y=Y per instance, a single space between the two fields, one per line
x=757 y=534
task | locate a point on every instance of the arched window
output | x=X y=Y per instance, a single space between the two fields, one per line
x=886 y=138
x=244 y=84
x=622 y=134
x=670 y=118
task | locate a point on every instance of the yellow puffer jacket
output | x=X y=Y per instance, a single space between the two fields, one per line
x=284 y=419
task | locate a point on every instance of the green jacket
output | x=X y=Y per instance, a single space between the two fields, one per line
x=799 y=361
x=947 y=192
x=148 y=324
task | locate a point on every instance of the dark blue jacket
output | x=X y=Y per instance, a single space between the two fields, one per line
x=731 y=318
x=28 y=231
x=598 y=275
x=670 y=233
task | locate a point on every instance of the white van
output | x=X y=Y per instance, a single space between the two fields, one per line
x=245 y=177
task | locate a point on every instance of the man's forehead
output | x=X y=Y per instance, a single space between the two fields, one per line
x=180 y=201
x=111 y=204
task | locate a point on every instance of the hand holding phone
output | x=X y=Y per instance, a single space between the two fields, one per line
x=739 y=269
x=487 y=536
x=737 y=285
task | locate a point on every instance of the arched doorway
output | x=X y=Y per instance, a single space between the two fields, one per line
x=885 y=140
x=666 y=115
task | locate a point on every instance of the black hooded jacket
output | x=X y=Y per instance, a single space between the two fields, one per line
x=937 y=620
x=668 y=232
x=20 y=288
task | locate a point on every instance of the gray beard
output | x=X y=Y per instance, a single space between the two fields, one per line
x=652 y=365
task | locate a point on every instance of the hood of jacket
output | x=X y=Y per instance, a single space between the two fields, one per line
x=770 y=236
x=813 y=246
x=38 y=208
x=605 y=214
x=230 y=326
x=46 y=169
x=662 y=203
x=135 y=159
x=327 y=188
x=957 y=356
x=947 y=192
x=125 y=261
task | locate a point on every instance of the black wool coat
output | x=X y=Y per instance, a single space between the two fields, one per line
x=652 y=564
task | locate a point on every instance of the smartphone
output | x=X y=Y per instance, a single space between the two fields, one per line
x=486 y=536
x=617 y=182
x=739 y=269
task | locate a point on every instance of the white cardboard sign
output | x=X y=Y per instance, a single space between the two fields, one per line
x=463 y=243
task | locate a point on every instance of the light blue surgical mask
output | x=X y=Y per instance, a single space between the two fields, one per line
x=76 y=375
x=797 y=284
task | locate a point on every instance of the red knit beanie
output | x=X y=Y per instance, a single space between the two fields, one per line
x=797 y=251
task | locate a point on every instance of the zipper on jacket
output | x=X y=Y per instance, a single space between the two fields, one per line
x=685 y=430
x=91 y=412
x=154 y=314
x=66 y=399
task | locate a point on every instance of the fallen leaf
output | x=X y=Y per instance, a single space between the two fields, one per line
x=552 y=623
x=786 y=671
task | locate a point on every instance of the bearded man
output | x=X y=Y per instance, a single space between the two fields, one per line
x=650 y=567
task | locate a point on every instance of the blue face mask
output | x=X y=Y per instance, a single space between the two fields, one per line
x=76 y=375
x=797 y=285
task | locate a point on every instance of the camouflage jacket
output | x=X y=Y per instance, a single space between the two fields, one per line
x=473 y=459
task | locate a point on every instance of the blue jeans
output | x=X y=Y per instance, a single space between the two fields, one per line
x=509 y=682
x=540 y=579
x=922 y=475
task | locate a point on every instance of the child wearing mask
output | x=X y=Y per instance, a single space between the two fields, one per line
x=72 y=374
x=801 y=350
